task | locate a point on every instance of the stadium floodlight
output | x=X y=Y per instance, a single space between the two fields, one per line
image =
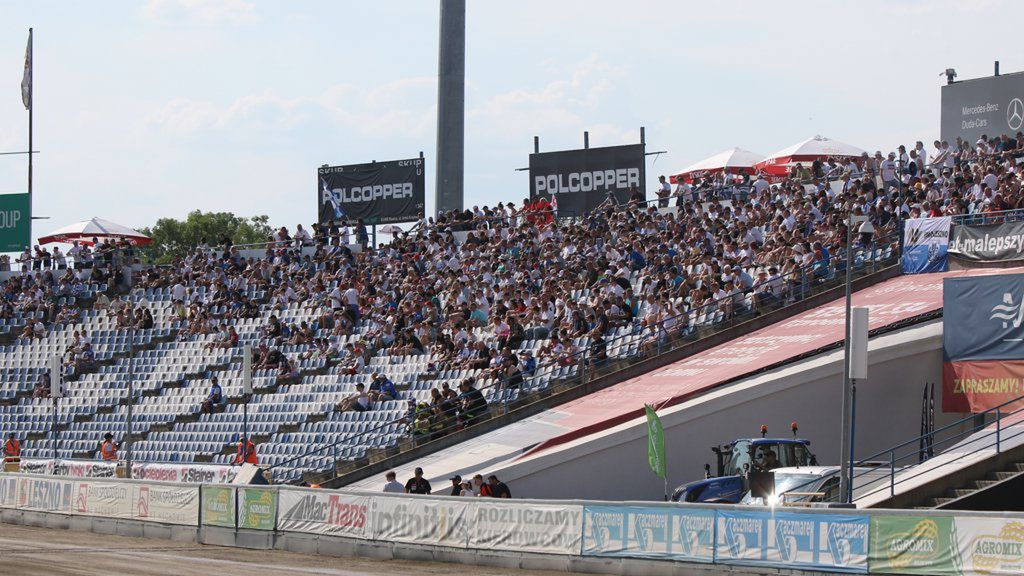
x=846 y=433
x=950 y=75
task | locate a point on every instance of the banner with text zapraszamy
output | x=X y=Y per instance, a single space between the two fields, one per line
x=580 y=180
x=982 y=337
x=378 y=192
x=994 y=243
x=925 y=242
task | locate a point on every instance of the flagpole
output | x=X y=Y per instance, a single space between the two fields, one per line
x=31 y=107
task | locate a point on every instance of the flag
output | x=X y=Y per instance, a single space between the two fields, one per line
x=26 y=79
x=655 y=443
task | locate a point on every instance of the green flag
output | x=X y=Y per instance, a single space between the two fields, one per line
x=655 y=443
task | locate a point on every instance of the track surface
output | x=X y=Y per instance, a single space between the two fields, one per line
x=38 y=551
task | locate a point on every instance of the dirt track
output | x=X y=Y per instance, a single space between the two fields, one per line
x=39 y=551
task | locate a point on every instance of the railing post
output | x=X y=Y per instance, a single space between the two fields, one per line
x=892 y=473
x=999 y=425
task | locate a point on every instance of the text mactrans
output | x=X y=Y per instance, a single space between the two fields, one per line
x=619 y=179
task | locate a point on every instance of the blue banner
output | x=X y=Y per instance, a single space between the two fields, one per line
x=649 y=532
x=792 y=539
x=925 y=245
x=983 y=317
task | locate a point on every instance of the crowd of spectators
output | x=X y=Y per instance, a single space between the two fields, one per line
x=468 y=288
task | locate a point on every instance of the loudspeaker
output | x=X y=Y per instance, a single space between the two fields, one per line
x=250 y=474
x=762 y=484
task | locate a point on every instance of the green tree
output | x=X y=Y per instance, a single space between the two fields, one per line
x=173 y=238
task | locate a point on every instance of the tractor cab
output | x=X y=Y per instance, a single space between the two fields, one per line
x=740 y=457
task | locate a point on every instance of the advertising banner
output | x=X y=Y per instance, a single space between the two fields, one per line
x=378 y=192
x=31 y=466
x=44 y=494
x=990 y=545
x=913 y=545
x=991 y=106
x=642 y=532
x=837 y=543
x=996 y=243
x=8 y=491
x=437 y=522
x=15 y=218
x=257 y=508
x=98 y=498
x=166 y=503
x=983 y=327
x=84 y=469
x=218 y=506
x=322 y=512
x=580 y=180
x=925 y=245
x=188 y=473
x=540 y=528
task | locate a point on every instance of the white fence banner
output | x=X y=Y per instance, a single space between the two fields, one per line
x=110 y=499
x=166 y=503
x=421 y=521
x=187 y=473
x=8 y=492
x=990 y=545
x=44 y=494
x=323 y=512
x=544 y=528
x=85 y=469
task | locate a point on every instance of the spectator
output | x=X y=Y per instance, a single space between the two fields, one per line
x=214 y=401
x=417 y=484
x=498 y=489
x=358 y=401
x=382 y=389
x=109 y=448
x=12 y=449
x=456 y=485
x=245 y=453
x=392 y=486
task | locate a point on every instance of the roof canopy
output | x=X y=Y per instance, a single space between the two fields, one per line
x=86 y=230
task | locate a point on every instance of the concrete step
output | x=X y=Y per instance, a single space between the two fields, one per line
x=1019 y=467
x=1005 y=475
x=982 y=484
x=935 y=502
x=961 y=492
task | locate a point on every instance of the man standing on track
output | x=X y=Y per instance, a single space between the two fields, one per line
x=417 y=484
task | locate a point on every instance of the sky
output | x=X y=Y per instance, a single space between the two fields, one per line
x=154 y=108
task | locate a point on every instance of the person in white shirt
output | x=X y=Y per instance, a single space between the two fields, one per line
x=392 y=486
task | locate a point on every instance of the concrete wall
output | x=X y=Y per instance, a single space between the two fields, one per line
x=613 y=465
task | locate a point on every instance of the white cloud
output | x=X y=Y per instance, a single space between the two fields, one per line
x=400 y=108
x=202 y=12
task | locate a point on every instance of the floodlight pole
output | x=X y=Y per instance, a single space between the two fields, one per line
x=846 y=433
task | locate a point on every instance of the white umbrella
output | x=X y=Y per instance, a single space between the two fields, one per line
x=86 y=230
x=393 y=229
x=731 y=160
x=817 y=148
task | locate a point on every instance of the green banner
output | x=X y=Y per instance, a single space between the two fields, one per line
x=257 y=508
x=15 y=221
x=913 y=545
x=655 y=443
x=218 y=506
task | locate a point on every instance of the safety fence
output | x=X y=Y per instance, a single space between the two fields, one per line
x=835 y=540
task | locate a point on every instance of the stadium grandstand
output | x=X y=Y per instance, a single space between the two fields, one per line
x=455 y=319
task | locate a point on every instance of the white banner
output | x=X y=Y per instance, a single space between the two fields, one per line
x=990 y=545
x=187 y=473
x=109 y=499
x=165 y=503
x=44 y=494
x=544 y=528
x=85 y=469
x=421 y=521
x=8 y=492
x=324 y=512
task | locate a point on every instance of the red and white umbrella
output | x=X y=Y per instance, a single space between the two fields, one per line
x=732 y=161
x=817 y=148
x=86 y=230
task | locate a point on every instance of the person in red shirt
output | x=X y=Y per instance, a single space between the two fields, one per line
x=246 y=453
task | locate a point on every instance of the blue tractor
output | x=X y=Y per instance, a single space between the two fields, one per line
x=740 y=457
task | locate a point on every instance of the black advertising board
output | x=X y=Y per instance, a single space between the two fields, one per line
x=581 y=179
x=378 y=192
x=993 y=106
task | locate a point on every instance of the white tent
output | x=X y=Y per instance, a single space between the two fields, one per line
x=731 y=160
x=86 y=230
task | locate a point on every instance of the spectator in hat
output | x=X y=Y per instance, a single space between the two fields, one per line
x=417 y=484
x=456 y=485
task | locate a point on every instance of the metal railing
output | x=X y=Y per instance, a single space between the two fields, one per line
x=655 y=340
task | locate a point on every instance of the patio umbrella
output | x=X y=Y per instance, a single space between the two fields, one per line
x=817 y=148
x=733 y=160
x=86 y=230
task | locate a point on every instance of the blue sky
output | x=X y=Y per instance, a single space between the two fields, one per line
x=155 y=108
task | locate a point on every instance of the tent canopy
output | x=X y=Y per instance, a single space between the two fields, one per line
x=86 y=230
x=816 y=148
x=731 y=160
